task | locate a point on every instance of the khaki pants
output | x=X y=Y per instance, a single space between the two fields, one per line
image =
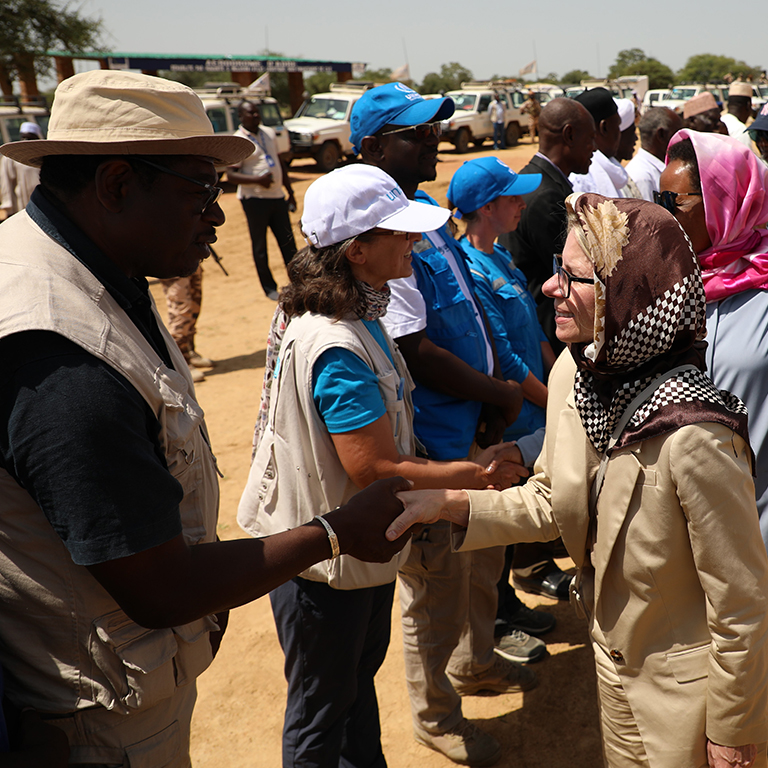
x=449 y=602
x=157 y=737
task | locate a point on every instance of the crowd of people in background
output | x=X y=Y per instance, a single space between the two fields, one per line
x=567 y=359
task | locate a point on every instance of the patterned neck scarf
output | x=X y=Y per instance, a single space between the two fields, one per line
x=649 y=318
x=373 y=305
x=734 y=183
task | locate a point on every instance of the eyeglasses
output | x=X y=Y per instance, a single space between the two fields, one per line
x=420 y=132
x=375 y=232
x=668 y=200
x=565 y=278
x=214 y=193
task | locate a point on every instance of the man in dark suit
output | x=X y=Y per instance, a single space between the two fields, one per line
x=566 y=144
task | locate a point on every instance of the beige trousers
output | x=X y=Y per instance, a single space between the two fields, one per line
x=448 y=602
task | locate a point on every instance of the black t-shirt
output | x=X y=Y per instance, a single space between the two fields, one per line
x=76 y=434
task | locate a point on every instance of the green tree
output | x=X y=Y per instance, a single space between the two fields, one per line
x=633 y=61
x=30 y=27
x=382 y=75
x=319 y=82
x=708 y=68
x=575 y=76
x=450 y=77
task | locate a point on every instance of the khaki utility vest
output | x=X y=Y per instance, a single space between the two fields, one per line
x=296 y=473
x=65 y=644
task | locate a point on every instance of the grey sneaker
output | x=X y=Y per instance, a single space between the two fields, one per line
x=520 y=647
x=465 y=744
x=502 y=677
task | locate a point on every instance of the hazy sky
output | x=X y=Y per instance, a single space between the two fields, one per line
x=486 y=36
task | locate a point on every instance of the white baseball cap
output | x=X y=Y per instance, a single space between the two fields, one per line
x=357 y=198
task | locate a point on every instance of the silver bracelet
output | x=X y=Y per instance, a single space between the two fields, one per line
x=335 y=552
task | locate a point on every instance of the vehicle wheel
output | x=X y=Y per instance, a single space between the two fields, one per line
x=512 y=134
x=461 y=142
x=327 y=157
x=478 y=142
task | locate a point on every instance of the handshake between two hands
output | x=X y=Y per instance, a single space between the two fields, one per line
x=375 y=524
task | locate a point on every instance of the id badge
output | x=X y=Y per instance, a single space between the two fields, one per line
x=270 y=161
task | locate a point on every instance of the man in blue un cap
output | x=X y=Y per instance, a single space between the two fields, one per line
x=449 y=600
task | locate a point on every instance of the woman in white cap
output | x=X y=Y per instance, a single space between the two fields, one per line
x=336 y=415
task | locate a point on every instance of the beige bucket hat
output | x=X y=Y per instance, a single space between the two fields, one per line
x=109 y=112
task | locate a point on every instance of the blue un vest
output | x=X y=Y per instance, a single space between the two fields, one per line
x=444 y=424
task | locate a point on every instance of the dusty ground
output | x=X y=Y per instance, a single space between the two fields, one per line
x=238 y=720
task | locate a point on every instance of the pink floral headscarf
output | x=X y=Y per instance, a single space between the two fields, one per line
x=734 y=183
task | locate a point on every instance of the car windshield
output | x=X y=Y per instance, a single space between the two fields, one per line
x=270 y=115
x=763 y=90
x=683 y=93
x=465 y=102
x=332 y=109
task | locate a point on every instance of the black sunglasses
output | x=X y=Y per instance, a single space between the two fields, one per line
x=668 y=200
x=565 y=278
x=214 y=193
x=420 y=132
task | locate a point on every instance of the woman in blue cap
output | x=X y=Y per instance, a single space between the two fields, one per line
x=487 y=196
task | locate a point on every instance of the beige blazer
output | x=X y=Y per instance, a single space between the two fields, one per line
x=679 y=569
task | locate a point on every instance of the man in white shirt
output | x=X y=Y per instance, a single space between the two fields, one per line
x=739 y=111
x=604 y=177
x=260 y=179
x=497 y=113
x=657 y=126
x=17 y=180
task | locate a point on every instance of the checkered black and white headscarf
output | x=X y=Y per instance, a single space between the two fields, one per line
x=649 y=318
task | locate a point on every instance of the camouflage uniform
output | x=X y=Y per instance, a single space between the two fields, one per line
x=184 y=296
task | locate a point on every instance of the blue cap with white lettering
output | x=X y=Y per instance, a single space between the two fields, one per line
x=394 y=104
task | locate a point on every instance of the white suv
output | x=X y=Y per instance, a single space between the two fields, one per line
x=471 y=121
x=320 y=128
x=221 y=103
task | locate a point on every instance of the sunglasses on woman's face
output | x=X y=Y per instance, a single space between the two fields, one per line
x=668 y=200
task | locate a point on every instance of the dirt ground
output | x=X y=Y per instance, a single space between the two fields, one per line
x=238 y=719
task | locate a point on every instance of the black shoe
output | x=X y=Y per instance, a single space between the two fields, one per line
x=552 y=583
x=527 y=620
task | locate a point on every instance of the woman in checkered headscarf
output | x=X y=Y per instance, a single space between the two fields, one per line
x=646 y=474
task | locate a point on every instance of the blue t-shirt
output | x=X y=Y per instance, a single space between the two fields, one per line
x=345 y=390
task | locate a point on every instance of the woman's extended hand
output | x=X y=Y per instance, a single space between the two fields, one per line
x=506 y=453
x=429 y=507
x=730 y=757
x=503 y=465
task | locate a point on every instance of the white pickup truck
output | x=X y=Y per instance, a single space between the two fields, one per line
x=471 y=121
x=320 y=128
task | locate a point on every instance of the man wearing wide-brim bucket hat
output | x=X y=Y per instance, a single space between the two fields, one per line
x=108 y=489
